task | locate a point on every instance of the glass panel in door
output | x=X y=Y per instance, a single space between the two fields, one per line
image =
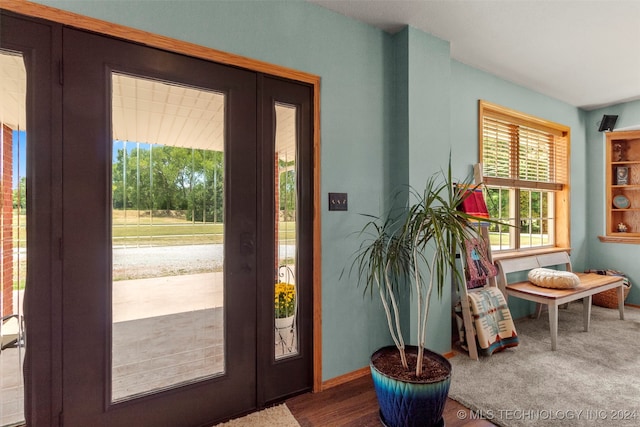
x=167 y=235
x=285 y=301
x=286 y=220
x=13 y=229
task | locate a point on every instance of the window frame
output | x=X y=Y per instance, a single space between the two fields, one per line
x=561 y=208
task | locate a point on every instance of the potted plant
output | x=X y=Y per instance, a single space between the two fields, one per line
x=284 y=304
x=413 y=252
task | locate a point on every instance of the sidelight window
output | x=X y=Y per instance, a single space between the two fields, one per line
x=13 y=231
x=286 y=289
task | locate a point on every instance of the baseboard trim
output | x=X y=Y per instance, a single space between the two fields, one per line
x=354 y=375
x=449 y=355
x=350 y=376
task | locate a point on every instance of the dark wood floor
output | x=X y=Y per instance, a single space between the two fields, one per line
x=354 y=404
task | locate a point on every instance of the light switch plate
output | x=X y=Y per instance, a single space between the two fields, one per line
x=338 y=201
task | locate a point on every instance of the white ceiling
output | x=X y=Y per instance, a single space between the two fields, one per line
x=583 y=52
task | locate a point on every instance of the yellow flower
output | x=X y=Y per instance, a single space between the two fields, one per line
x=285 y=299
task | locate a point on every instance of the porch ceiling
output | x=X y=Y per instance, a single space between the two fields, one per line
x=149 y=111
x=13 y=88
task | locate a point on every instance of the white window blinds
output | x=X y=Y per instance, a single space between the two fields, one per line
x=520 y=153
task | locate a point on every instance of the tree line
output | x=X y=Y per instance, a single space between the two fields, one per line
x=170 y=178
x=155 y=177
x=532 y=204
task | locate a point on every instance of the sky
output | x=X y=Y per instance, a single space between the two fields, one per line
x=19 y=156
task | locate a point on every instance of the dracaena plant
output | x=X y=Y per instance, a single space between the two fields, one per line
x=413 y=251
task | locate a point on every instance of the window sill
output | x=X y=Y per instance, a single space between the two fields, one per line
x=525 y=252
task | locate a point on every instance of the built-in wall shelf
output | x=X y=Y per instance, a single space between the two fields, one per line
x=622 y=187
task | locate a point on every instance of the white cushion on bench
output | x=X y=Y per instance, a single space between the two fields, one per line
x=548 y=278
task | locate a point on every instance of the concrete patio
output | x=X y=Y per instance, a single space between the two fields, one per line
x=11 y=387
x=167 y=331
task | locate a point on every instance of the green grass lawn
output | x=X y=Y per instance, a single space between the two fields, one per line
x=128 y=229
x=536 y=240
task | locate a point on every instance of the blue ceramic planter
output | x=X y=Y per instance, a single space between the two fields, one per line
x=410 y=404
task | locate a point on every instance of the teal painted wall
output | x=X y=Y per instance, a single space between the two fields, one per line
x=617 y=256
x=428 y=79
x=468 y=85
x=380 y=94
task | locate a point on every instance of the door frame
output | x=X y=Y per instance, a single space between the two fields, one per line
x=42 y=375
x=172 y=45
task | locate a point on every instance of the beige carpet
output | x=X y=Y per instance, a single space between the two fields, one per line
x=276 y=416
x=593 y=379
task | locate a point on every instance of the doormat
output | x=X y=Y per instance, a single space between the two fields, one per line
x=276 y=416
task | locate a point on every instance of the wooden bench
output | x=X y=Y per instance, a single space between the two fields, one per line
x=590 y=284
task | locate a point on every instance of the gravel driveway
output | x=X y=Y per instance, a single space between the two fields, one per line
x=137 y=263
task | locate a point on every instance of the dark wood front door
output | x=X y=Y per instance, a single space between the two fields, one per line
x=158 y=329
x=168 y=198
x=171 y=240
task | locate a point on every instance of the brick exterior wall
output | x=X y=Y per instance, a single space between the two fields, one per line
x=6 y=229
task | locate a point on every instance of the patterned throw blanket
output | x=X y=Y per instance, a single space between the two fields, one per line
x=494 y=326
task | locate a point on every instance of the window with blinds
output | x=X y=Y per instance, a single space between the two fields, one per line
x=525 y=163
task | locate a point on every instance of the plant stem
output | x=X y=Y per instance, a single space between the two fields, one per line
x=396 y=316
x=425 y=316
x=419 y=302
x=398 y=341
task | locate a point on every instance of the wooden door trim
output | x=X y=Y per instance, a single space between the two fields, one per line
x=178 y=46
x=82 y=22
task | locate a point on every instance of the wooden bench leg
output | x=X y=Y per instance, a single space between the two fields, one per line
x=586 y=312
x=469 y=333
x=620 y=291
x=553 y=325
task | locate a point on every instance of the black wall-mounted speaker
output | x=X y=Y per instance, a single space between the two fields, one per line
x=607 y=123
